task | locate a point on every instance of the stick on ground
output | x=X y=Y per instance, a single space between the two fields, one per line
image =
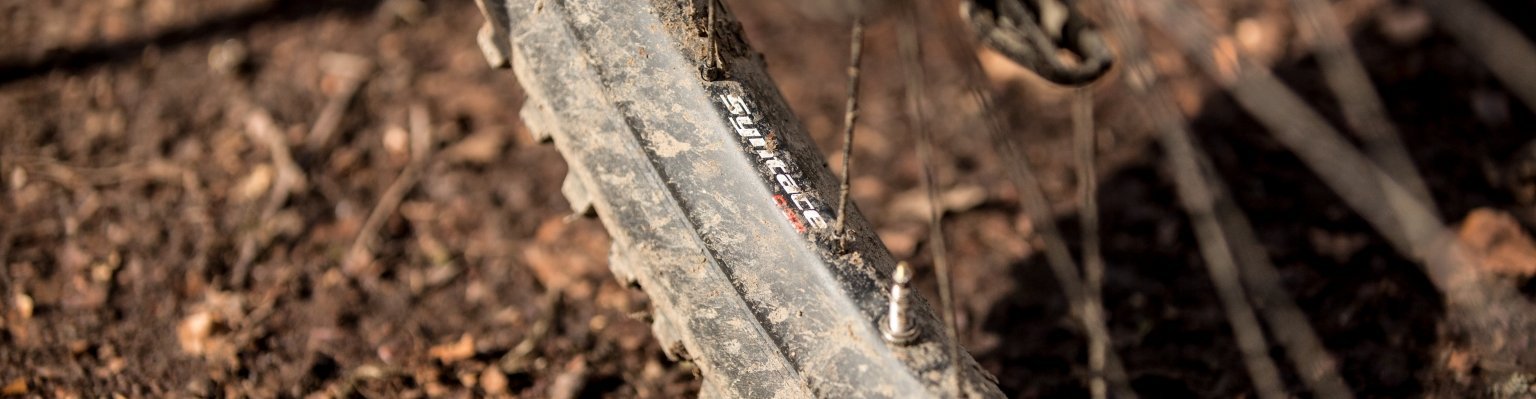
x=359 y=255
x=260 y=127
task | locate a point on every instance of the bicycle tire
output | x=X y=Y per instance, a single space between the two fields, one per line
x=716 y=200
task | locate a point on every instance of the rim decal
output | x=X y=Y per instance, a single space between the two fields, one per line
x=801 y=207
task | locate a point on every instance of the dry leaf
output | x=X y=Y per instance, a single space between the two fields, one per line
x=912 y=205
x=1496 y=238
x=16 y=387
x=478 y=148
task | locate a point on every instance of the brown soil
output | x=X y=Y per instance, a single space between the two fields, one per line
x=153 y=244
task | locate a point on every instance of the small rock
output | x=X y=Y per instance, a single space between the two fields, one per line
x=193 y=332
x=204 y=331
x=24 y=305
x=78 y=346
x=1516 y=385
x=369 y=372
x=462 y=349
x=113 y=366
x=597 y=323
x=1459 y=362
x=18 y=178
x=343 y=67
x=436 y=389
x=199 y=387
x=255 y=184
x=493 y=381
x=469 y=379
x=396 y=142
x=102 y=272
x=229 y=57
x=478 y=148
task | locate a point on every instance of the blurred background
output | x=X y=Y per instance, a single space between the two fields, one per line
x=231 y=198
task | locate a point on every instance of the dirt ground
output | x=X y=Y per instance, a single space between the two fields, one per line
x=219 y=198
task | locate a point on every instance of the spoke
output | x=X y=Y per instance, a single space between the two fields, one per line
x=910 y=43
x=1088 y=220
x=1036 y=205
x=1363 y=109
x=1203 y=194
x=1492 y=40
x=1493 y=315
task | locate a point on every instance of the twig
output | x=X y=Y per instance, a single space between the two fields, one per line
x=353 y=72
x=1496 y=317
x=348 y=385
x=850 y=118
x=910 y=44
x=1088 y=221
x=516 y=360
x=1492 y=40
x=197 y=211
x=358 y=255
x=290 y=178
x=8 y=170
x=77 y=179
x=569 y=383
x=252 y=325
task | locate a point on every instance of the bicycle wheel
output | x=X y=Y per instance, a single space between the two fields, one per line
x=720 y=207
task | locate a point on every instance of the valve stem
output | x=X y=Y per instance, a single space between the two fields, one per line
x=898 y=328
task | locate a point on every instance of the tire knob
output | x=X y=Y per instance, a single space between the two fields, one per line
x=576 y=193
x=494 y=39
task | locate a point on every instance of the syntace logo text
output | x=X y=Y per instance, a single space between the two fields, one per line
x=799 y=206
